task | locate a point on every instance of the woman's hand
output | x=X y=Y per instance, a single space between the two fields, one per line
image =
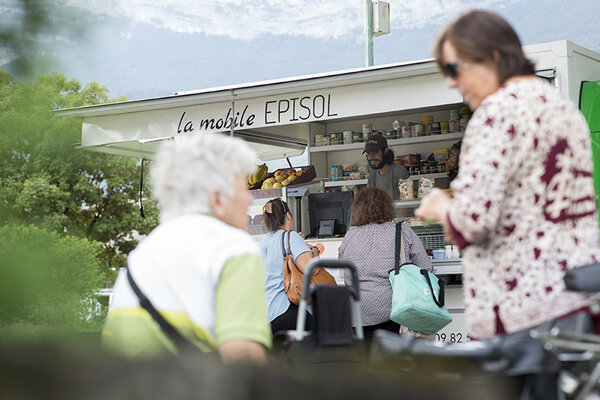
x=315 y=250
x=434 y=206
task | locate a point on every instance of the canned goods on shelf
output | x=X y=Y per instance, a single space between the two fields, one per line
x=419 y=130
x=318 y=140
x=413 y=169
x=444 y=127
x=405 y=132
x=347 y=137
x=389 y=134
x=454 y=115
x=334 y=138
x=413 y=130
x=367 y=130
x=452 y=126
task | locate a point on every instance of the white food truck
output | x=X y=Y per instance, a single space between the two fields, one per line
x=289 y=117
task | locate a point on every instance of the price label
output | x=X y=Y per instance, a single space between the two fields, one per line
x=455 y=331
x=452 y=337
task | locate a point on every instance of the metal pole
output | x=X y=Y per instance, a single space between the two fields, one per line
x=369 y=33
x=232 y=114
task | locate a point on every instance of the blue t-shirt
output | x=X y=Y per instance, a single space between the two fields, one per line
x=277 y=300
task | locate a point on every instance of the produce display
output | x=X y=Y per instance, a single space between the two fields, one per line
x=262 y=179
x=282 y=178
x=258 y=175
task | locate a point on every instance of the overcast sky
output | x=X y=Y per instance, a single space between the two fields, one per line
x=249 y=19
x=148 y=48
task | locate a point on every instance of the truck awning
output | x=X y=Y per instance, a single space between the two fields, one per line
x=272 y=116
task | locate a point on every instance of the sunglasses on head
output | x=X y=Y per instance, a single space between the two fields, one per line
x=283 y=205
x=450 y=70
x=268 y=208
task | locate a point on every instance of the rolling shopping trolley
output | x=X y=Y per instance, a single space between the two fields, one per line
x=332 y=340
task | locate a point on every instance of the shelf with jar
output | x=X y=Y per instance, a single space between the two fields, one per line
x=360 y=182
x=349 y=182
x=391 y=142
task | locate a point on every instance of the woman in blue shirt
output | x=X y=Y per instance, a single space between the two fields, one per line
x=278 y=219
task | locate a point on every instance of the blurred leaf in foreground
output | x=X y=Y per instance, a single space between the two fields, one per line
x=44 y=281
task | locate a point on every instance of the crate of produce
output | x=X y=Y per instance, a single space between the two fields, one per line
x=289 y=176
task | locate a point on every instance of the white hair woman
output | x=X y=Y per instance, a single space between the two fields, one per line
x=192 y=175
x=199 y=267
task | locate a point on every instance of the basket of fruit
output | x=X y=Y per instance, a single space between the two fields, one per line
x=288 y=176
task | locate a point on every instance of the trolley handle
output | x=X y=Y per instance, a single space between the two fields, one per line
x=354 y=290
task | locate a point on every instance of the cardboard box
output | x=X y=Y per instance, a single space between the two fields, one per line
x=406 y=159
x=441 y=155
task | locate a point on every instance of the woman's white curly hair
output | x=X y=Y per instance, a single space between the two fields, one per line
x=188 y=168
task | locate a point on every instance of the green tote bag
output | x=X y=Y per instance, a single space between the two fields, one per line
x=417 y=295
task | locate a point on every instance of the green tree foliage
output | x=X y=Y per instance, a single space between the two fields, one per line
x=45 y=279
x=45 y=181
x=33 y=24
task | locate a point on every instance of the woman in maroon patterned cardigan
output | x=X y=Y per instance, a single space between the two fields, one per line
x=523 y=209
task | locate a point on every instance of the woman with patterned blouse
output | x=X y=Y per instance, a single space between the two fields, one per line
x=524 y=207
x=370 y=245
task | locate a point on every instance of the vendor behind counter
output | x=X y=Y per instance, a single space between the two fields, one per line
x=386 y=172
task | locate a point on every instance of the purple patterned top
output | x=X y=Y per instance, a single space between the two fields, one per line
x=524 y=208
x=372 y=249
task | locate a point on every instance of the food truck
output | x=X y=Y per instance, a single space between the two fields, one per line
x=327 y=117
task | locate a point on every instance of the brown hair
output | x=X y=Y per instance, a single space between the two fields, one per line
x=452 y=173
x=274 y=213
x=486 y=37
x=372 y=205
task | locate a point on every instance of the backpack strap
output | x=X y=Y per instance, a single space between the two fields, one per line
x=180 y=341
